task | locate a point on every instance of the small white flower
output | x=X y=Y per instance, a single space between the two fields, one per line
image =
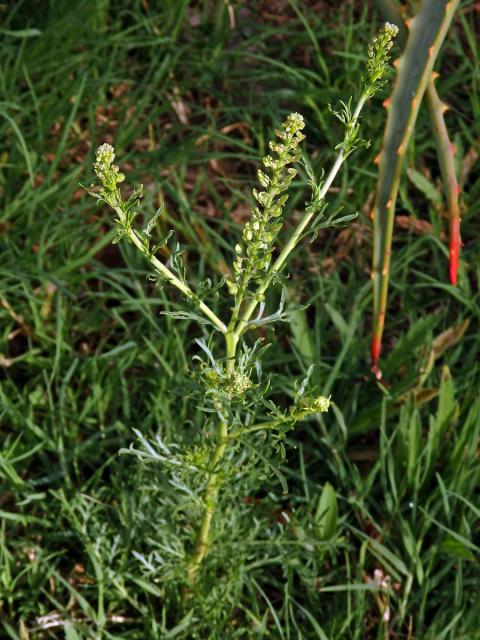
x=238 y=384
x=107 y=172
x=322 y=403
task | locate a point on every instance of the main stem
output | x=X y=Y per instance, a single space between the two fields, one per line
x=212 y=488
x=232 y=334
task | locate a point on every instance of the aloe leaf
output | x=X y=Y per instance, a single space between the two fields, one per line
x=426 y=34
x=446 y=160
x=390 y=10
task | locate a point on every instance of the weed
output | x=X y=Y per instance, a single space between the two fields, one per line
x=230 y=394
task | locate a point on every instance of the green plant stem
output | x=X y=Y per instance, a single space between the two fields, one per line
x=295 y=238
x=271 y=424
x=214 y=476
x=231 y=349
x=169 y=276
x=234 y=319
x=210 y=498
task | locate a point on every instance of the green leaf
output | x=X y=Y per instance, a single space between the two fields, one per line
x=424 y=185
x=23 y=630
x=447 y=405
x=392 y=563
x=456 y=549
x=116 y=350
x=321 y=635
x=147 y=230
x=326 y=516
x=70 y=633
x=183 y=625
x=301 y=335
x=409 y=439
x=418 y=335
x=22 y=145
x=21 y=33
x=337 y=320
x=148 y=587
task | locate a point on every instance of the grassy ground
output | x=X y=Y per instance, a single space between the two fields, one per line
x=190 y=92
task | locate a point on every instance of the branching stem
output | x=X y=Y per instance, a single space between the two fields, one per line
x=170 y=276
x=232 y=335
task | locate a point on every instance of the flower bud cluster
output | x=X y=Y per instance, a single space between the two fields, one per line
x=253 y=254
x=238 y=384
x=309 y=407
x=107 y=172
x=378 y=56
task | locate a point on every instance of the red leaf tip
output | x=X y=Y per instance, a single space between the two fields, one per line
x=376 y=348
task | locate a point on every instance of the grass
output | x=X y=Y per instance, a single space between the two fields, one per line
x=89 y=537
